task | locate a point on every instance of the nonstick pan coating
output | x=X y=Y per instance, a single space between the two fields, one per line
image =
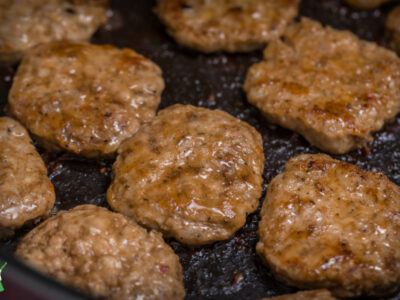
x=229 y=269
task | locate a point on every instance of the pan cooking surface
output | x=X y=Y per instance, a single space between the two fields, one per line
x=229 y=269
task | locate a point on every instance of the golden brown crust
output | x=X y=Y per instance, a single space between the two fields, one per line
x=26 y=193
x=104 y=254
x=85 y=98
x=27 y=23
x=328 y=224
x=328 y=85
x=232 y=26
x=305 y=295
x=192 y=173
x=393 y=29
x=366 y=4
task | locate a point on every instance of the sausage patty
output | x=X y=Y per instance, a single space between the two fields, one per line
x=393 y=29
x=26 y=23
x=366 y=4
x=328 y=85
x=26 y=193
x=103 y=254
x=85 y=98
x=192 y=173
x=234 y=26
x=305 y=295
x=328 y=224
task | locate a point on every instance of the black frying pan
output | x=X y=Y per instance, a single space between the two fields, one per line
x=229 y=269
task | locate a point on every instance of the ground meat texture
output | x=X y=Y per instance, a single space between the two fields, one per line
x=192 y=173
x=366 y=4
x=305 y=295
x=233 y=26
x=328 y=224
x=26 y=193
x=328 y=85
x=103 y=254
x=26 y=23
x=85 y=98
x=393 y=29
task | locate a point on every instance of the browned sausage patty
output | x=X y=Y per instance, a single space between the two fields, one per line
x=328 y=224
x=26 y=23
x=328 y=85
x=103 y=254
x=366 y=4
x=192 y=173
x=85 y=98
x=234 y=26
x=393 y=29
x=26 y=193
x=305 y=295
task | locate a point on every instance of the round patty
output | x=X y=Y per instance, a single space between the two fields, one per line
x=234 y=26
x=26 y=193
x=393 y=29
x=305 y=295
x=26 y=23
x=328 y=224
x=103 y=254
x=366 y=4
x=328 y=85
x=192 y=173
x=85 y=98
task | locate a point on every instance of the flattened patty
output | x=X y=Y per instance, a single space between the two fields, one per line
x=26 y=193
x=103 y=254
x=234 y=26
x=27 y=23
x=192 y=173
x=328 y=224
x=393 y=29
x=85 y=98
x=366 y=4
x=305 y=295
x=328 y=85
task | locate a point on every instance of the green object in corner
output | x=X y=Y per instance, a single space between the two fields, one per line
x=1 y=269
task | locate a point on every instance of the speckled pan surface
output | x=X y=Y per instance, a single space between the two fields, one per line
x=229 y=269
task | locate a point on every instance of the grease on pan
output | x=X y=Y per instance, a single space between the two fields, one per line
x=227 y=269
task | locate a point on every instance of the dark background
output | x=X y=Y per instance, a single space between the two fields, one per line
x=229 y=269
